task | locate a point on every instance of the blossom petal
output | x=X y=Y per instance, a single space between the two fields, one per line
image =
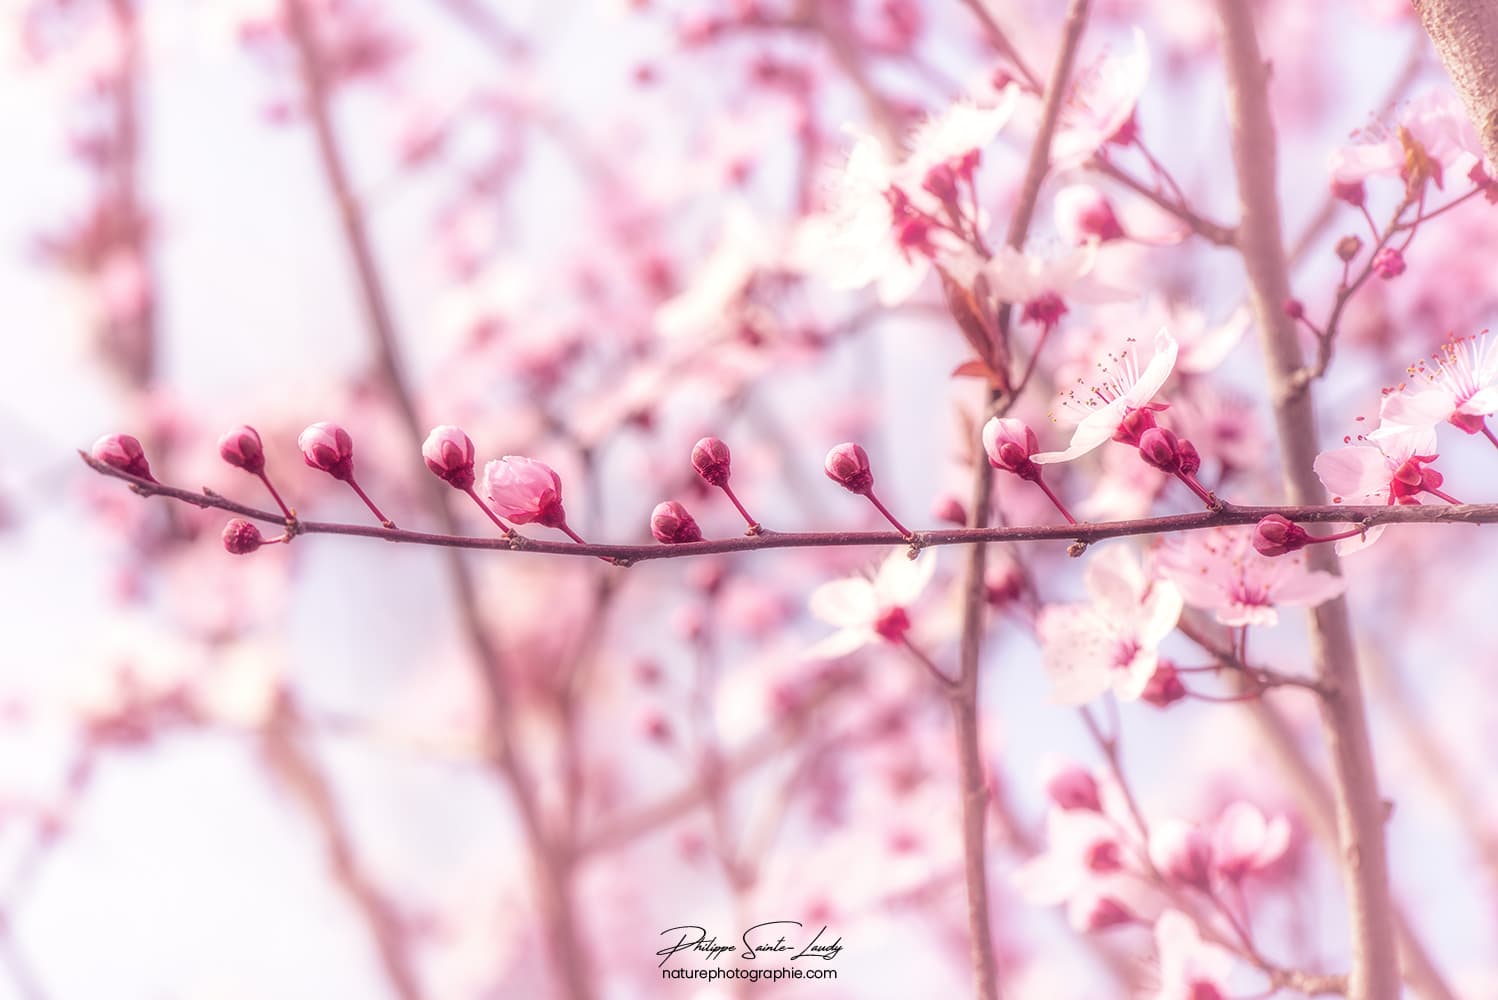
x=901 y=579
x=849 y=603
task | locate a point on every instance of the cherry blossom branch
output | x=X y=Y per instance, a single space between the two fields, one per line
x=1082 y=534
x=1466 y=38
x=1374 y=973
x=999 y=39
x=1213 y=232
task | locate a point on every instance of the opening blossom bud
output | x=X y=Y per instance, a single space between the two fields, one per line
x=525 y=490
x=1074 y=787
x=328 y=447
x=1009 y=444
x=671 y=524
x=241 y=448
x=123 y=452
x=711 y=460
x=848 y=466
x=448 y=452
x=1183 y=853
x=241 y=537
x=1161 y=448
x=1165 y=687
x=1388 y=263
x=1277 y=536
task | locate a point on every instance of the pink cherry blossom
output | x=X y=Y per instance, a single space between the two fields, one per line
x=1460 y=386
x=1190 y=969
x=1435 y=119
x=1244 y=841
x=866 y=610
x=1086 y=866
x=1044 y=285
x=1100 y=107
x=1220 y=571
x=525 y=491
x=1100 y=409
x=1112 y=641
x=1182 y=852
x=1389 y=470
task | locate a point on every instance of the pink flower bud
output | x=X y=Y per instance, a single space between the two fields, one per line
x=949 y=509
x=671 y=524
x=1102 y=913
x=1135 y=422
x=328 y=447
x=1182 y=852
x=1009 y=444
x=1159 y=447
x=1191 y=459
x=241 y=537
x=123 y=452
x=1084 y=213
x=448 y=452
x=525 y=490
x=711 y=460
x=241 y=448
x=848 y=466
x=1295 y=309
x=1073 y=787
x=1003 y=584
x=1388 y=263
x=1276 y=536
x=1165 y=687
x=1351 y=192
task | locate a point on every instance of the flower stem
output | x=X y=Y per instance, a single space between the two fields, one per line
x=1054 y=499
x=290 y=514
x=887 y=515
x=385 y=521
x=491 y=515
x=1487 y=432
x=753 y=524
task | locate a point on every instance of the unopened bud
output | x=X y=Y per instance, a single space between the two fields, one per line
x=1073 y=787
x=1277 y=536
x=1159 y=447
x=710 y=458
x=328 y=447
x=1009 y=444
x=1351 y=192
x=123 y=452
x=1295 y=309
x=242 y=449
x=1191 y=459
x=949 y=509
x=241 y=537
x=1165 y=687
x=848 y=466
x=448 y=452
x=1349 y=247
x=671 y=524
x=1388 y=263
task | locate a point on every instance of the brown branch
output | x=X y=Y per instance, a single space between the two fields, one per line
x=1227 y=515
x=1374 y=973
x=1465 y=33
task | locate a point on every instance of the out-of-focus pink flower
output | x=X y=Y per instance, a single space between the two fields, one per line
x=448 y=452
x=1388 y=263
x=240 y=537
x=671 y=524
x=864 y=610
x=1190 y=969
x=1182 y=852
x=1244 y=841
x=123 y=452
x=1100 y=410
x=847 y=465
x=1084 y=214
x=1100 y=107
x=241 y=448
x=1082 y=866
x=1461 y=387
x=328 y=447
x=1044 y=285
x=1010 y=443
x=1435 y=120
x=1112 y=641
x=525 y=491
x=1219 y=571
x=949 y=509
x=1072 y=786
